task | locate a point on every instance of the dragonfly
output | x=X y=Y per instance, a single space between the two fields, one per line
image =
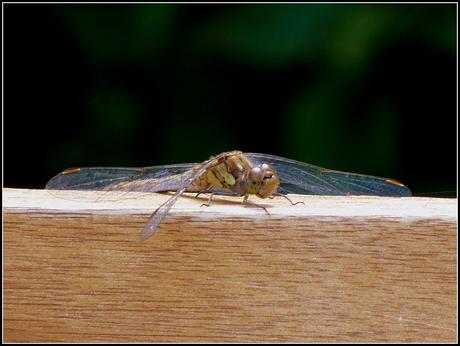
x=229 y=173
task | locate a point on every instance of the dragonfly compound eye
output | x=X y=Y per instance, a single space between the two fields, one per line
x=256 y=174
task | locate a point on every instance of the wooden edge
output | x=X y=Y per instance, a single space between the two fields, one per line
x=21 y=200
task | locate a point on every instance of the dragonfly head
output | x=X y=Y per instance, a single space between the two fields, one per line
x=263 y=180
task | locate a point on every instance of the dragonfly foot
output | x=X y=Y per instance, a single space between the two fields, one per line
x=292 y=203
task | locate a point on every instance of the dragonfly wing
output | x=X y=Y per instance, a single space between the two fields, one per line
x=358 y=184
x=159 y=215
x=167 y=170
x=107 y=178
x=121 y=180
x=92 y=178
x=302 y=178
x=161 y=178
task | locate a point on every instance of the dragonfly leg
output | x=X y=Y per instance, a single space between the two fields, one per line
x=245 y=200
x=292 y=203
x=205 y=192
x=208 y=203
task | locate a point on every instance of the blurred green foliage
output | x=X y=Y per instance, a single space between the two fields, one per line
x=320 y=83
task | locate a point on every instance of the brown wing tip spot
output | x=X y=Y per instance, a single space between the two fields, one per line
x=395 y=182
x=71 y=171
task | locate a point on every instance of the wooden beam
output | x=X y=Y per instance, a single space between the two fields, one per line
x=337 y=269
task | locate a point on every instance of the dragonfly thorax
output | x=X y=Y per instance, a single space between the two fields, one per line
x=234 y=172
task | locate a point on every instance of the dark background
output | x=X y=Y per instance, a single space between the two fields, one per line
x=363 y=88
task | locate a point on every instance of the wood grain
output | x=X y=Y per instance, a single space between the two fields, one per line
x=337 y=269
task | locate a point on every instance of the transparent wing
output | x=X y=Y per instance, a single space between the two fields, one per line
x=148 y=179
x=159 y=214
x=302 y=178
x=100 y=178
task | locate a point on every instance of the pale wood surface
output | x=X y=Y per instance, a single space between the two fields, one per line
x=349 y=269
